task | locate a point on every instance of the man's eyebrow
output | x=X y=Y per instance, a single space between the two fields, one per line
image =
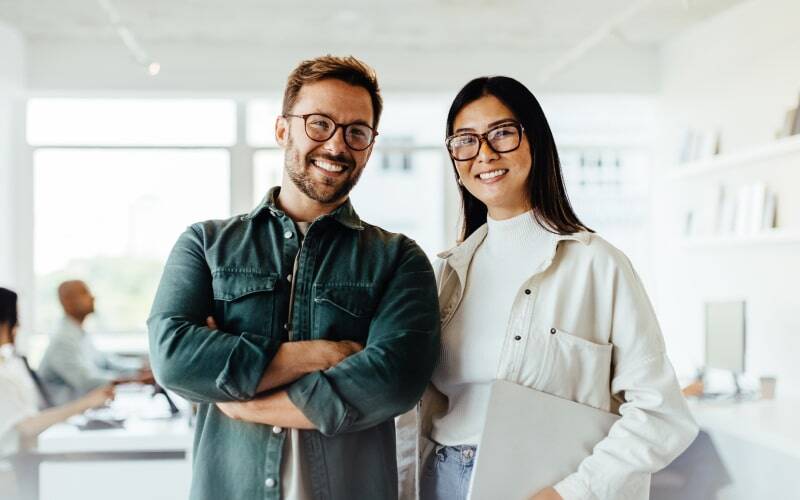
x=317 y=111
x=494 y=123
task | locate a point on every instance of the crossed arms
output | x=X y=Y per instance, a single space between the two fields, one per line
x=334 y=387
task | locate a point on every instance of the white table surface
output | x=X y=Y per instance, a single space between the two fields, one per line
x=774 y=424
x=145 y=429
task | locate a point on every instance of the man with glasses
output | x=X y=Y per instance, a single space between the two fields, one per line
x=299 y=329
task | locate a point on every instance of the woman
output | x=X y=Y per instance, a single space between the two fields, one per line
x=532 y=296
x=20 y=419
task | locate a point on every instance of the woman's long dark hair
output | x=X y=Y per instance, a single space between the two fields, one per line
x=8 y=307
x=546 y=193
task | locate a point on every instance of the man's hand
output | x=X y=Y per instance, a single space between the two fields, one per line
x=547 y=494
x=295 y=359
x=330 y=353
x=273 y=409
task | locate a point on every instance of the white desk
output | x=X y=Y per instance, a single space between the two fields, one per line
x=773 y=424
x=758 y=443
x=148 y=458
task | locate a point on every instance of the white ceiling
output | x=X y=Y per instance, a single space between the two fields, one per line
x=459 y=30
x=530 y=24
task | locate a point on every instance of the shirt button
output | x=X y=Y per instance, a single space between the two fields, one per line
x=286 y=326
x=288 y=235
x=517 y=337
x=527 y=291
x=269 y=483
x=553 y=331
x=289 y=278
x=277 y=430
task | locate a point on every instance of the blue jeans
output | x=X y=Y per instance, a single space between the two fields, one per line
x=446 y=473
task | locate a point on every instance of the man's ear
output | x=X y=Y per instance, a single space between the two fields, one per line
x=281 y=131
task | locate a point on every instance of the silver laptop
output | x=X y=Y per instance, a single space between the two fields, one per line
x=532 y=440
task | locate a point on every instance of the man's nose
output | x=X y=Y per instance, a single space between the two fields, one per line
x=336 y=144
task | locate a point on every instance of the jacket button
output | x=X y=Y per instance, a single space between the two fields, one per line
x=277 y=430
x=517 y=337
x=286 y=326
x=269 y=483
x=553 y=331
x=288 y=235
x=527 y=291
x=289 y=278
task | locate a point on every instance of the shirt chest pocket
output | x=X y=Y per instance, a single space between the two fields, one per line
x=575 y=368
x=343 y=311
x=244 y=301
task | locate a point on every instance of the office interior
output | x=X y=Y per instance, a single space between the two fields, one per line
x=677 y=124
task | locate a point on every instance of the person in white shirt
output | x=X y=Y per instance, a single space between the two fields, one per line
x=20 y=417
x=72 y=365
x=531 y=295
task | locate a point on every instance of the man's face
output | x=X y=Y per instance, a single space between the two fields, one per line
x=325 y=171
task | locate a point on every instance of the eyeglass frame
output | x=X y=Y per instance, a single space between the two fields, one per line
x=336 y=127
x=484 y=138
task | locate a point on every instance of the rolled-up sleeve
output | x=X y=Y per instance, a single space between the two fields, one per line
x=186 y=356
x=388 y=377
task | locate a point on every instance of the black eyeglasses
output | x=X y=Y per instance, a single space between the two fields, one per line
x=320 y=128
x=503 y=138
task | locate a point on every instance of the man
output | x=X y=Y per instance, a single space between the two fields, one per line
x=72 y=366
x=300 y=329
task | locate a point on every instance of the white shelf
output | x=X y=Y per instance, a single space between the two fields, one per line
x=773 y=237
x=781 y=147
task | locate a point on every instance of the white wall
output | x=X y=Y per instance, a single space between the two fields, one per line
x=11 y=105
x=737 y=73
x=16 y=217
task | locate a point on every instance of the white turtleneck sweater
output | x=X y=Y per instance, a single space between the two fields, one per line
x=472 y=341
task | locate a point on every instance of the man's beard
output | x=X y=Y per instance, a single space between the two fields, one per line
x=299 y=171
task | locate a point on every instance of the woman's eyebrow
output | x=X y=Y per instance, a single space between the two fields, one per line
x=496 y=122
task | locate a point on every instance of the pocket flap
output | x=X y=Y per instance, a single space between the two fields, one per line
x=230 y=285
x=353 y=300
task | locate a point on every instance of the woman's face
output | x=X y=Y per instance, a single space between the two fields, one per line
x=7 y=333
x=499 y=180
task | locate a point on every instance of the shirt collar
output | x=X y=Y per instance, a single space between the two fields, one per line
x=466 y=249
x=345 y=214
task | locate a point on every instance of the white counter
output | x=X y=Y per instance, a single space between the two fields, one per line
x=773 y=424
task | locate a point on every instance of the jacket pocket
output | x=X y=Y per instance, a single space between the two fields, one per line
x=343 y=311
x=244 y=300
x=576 y=368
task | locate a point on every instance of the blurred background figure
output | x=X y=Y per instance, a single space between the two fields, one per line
x=21 y=419
x=72 y=365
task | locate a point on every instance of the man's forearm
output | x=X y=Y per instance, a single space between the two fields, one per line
x=296 y=359
x=274 y=409
x=292 y=361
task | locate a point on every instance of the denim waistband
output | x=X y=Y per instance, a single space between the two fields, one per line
x=463 y=453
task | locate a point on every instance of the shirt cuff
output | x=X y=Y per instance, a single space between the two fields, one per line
x=313 y=395
x=241 y=375
x=573 y=488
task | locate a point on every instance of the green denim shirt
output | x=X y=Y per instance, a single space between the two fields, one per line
x=354 y=281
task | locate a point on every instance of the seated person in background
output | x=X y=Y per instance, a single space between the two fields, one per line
x=20 y=418
x=72 y=366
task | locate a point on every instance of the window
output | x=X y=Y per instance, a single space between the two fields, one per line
x=109 y=214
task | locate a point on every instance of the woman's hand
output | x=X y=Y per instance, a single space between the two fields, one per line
x=547 y=494
x=99 y=397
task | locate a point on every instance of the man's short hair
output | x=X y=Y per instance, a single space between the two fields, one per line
x=347 y=69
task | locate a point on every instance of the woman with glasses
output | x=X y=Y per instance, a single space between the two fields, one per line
x=20 y=418
x=531 y=295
